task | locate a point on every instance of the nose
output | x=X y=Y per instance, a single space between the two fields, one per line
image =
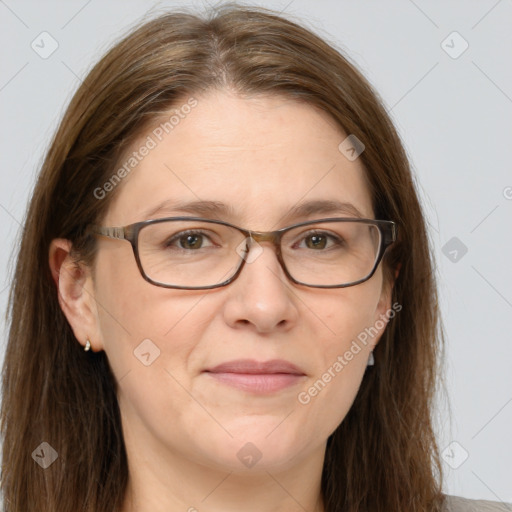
x=262 y=297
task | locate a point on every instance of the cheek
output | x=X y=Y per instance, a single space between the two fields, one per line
x=138 y=322
x=342 y=354
x=348 y=318
x=149 y=336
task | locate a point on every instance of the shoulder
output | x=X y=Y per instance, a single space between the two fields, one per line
x=458 y=504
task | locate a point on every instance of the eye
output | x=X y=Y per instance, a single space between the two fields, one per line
x=188 y=240
x=318 y=240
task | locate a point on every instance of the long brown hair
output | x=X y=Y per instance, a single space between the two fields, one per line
x=383 y=456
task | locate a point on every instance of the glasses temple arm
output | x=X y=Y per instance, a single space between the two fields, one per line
x=111 y=232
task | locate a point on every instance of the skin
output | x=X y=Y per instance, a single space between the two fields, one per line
x=261 y=155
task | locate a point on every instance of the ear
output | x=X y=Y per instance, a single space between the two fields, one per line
x=75 y=292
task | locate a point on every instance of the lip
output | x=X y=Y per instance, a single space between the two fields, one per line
x=260 y=377
x=254 y=367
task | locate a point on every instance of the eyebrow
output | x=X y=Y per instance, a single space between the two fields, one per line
x=218 y=209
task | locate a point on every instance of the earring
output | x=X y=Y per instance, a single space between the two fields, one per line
x=87 y=345
x=371 y=359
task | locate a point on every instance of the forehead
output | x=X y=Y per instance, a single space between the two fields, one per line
x=260 y=157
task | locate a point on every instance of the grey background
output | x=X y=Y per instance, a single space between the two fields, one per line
x=454 y=116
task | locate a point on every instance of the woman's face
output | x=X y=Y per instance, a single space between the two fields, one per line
x=261 y=157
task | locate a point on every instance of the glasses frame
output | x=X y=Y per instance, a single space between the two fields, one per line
x=388 y=231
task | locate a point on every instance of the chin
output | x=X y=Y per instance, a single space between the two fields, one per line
x=259 y=447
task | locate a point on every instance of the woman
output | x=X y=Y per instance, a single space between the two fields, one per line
x=270 y=339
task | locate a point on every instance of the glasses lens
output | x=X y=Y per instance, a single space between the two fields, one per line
x=200 y=254
x=189 y=253
x=331 y=253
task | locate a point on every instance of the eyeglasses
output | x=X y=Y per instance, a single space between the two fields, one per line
x=193 y=253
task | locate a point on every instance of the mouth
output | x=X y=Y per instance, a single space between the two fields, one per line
x=257 y=377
